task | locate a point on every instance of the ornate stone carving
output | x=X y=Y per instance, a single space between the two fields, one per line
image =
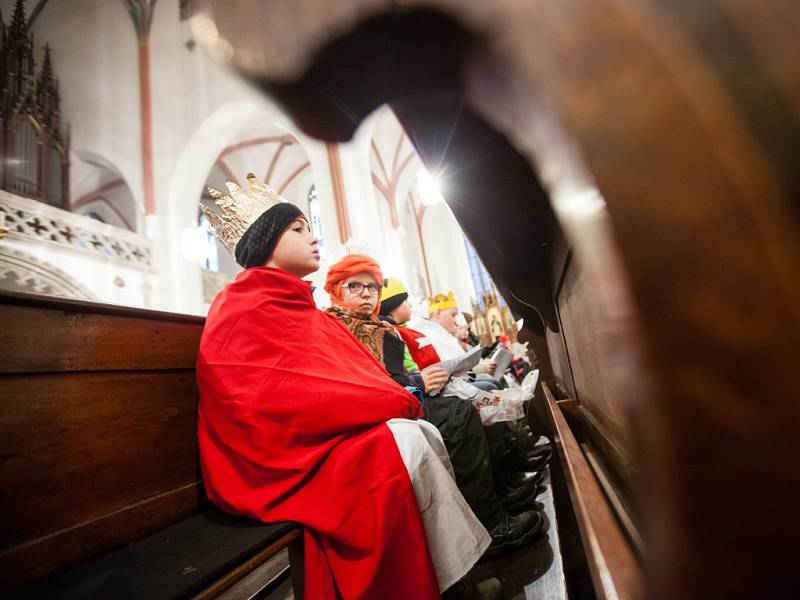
x=36 y=223
x=22 y=272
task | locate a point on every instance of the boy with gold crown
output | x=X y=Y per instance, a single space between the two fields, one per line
x=298 y=422
x=440 y=328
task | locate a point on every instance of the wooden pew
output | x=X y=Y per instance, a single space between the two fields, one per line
x=611 y=554
x=100 y=485
x=649 y=145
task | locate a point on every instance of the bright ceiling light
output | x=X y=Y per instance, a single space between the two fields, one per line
x=429 y=191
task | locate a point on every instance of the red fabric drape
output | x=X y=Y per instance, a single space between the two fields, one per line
x=424 y=356
x=291 y=427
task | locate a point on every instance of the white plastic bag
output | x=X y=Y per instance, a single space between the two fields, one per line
x=511 y=406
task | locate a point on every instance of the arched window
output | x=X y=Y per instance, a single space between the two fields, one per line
x=316 y=221
x=207 y=254
x=26 y=152
x=480 y=276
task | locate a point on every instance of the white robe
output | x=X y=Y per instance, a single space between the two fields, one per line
x=456 y=539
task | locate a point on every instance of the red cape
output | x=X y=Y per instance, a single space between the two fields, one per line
x=423 y=356
x=292 y=427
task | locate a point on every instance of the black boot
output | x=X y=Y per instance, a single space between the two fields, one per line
x=517 y=478
x=540 y=451
x=515 y=532
x=516 y=461
x=521 y=498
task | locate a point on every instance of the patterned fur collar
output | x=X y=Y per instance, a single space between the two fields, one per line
x=367 y=328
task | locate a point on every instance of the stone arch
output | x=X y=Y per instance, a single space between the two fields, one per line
x=97 y=185
x=393 y=162
x=229 y=124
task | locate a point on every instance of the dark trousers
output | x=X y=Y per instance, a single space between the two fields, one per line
x=501 y=441
x=501 y=445
x=466 y=443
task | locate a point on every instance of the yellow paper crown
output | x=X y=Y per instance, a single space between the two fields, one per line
x=391 y=288
x=440 y=302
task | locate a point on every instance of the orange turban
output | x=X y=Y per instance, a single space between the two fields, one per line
x=350 y=265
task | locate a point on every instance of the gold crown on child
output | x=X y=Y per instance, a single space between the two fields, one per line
x=238 y=209
x=440 y=302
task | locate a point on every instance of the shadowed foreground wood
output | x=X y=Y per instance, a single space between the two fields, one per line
x=662 y=135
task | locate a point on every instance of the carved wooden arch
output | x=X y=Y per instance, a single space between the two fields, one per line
x=686 y=115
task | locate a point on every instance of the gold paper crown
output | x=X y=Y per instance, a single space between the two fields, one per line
x=440 y=302
x=238 y=210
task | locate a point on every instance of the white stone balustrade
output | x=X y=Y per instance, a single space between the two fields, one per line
x=34 y=222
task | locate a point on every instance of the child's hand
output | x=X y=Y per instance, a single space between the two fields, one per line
x=434 y=378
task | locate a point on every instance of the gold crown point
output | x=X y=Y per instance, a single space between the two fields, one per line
x=238 y=209
x=441 y=301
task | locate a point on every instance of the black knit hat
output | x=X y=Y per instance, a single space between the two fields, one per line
x=260 y=239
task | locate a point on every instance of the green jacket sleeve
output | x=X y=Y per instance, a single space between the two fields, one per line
x=408 y=362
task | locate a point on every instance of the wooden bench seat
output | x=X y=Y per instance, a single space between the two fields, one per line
x=101 y=493
x=193 y=558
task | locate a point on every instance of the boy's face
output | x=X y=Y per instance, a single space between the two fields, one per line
x=296 y=251
x=402 y=313
x=447 y=319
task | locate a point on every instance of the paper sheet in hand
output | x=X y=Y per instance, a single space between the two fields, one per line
x=501 y=358
x=458 y=366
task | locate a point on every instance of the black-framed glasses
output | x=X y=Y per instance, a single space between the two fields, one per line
x=357 y=287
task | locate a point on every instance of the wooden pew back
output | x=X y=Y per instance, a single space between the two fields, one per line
x=97 y=430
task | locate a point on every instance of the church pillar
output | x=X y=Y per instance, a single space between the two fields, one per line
x=141 y=12
x=339 y=193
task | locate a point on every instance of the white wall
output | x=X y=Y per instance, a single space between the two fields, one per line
x=199 y=108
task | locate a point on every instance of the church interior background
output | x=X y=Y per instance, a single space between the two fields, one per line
x=115 y=121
